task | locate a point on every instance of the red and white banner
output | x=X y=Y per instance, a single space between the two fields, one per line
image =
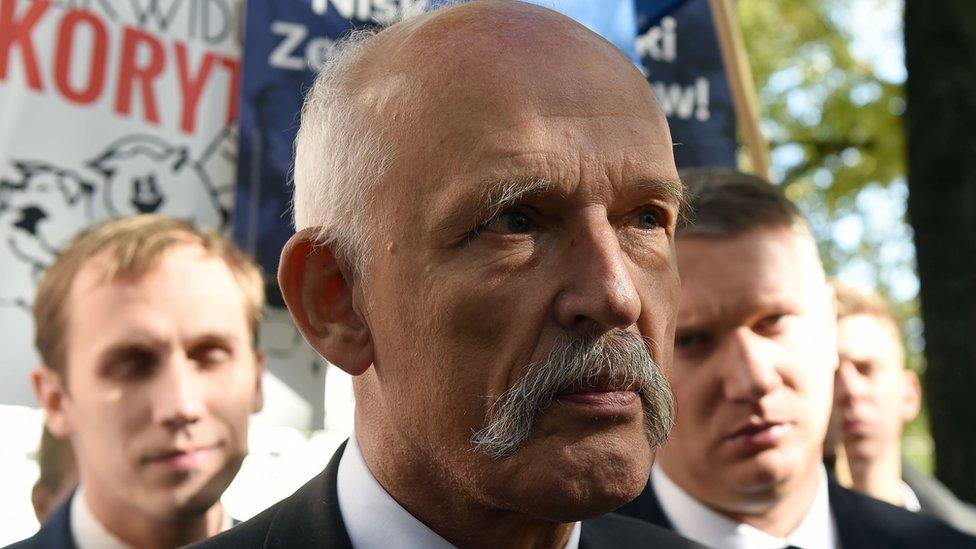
x=107 y=109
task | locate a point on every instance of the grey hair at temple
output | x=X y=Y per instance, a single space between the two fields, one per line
x=339 y=156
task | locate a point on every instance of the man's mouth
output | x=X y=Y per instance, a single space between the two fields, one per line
x=760 y=435
x=855 y=427
x=603 y=393
x=188 y=457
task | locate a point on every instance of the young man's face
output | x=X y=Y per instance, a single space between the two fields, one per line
x=162 y=377
x=874 y=393
x=753 y=363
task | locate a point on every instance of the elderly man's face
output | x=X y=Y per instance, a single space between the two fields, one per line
x=526 y=208
x=754 y=360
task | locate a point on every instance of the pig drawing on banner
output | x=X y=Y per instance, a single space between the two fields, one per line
x=107 y=109
x=39 y=210
x=144 y=174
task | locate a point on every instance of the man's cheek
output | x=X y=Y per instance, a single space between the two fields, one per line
x=482 y=314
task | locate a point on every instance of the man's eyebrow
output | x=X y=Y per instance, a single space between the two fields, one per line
x=212 y=337
x=670 y=190
x=129 y=346
x=499 y=195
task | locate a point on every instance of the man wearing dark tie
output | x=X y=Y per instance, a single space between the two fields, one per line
x=755 y=356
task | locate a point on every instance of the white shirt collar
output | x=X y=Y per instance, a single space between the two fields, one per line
x=696 y=521
x=374 y=520
x=87 y=530
x=911 y=498
x=89 y=533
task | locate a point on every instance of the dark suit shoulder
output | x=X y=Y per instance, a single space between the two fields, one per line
x=612 y=531
x=55 y=533
x=308 y=518
x=251 y=533
x=863 y=521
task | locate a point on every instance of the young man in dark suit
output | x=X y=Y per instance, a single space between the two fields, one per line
x=874 y=396
x=146 y=328
x=485 y=199
x=755 y=356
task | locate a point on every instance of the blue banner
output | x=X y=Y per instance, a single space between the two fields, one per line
x=679 y=53
x=286 y=41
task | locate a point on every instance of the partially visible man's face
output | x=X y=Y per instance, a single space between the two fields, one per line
x=461 y=298
x=874 y=394
x=162 y=379
x=754 y=360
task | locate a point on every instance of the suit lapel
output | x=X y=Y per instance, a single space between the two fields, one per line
x=310 y=517
x=849 y=528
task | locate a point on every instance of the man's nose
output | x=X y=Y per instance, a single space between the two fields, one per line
x=848 y=382
x=749 y=369
x=600 y=293
x=177 y=395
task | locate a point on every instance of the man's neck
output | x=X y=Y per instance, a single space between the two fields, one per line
x=879 y=477
x=432 y=498
x=778 y=510
x=136 y=529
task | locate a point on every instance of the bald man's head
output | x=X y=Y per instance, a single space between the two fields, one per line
x=486 y=197
x=422 y=78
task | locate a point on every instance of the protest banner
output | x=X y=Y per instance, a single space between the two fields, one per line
x=110 y=109
x=673 y=42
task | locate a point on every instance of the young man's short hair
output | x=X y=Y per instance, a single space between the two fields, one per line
x=853 y=301
x=132 y=247
x=724 y=202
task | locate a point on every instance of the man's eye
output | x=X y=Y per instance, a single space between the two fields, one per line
x=130 y=366
x=649 y=218
x=771 y=324
x=511 y=223
x=864 y=368
x=691 y=342
x=211 y=356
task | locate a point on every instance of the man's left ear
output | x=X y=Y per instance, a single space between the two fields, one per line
x=258 y=384
x=319 y=296
x=52 y=395
x=912 y=397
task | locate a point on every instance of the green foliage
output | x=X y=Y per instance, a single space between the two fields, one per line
x=832 y=122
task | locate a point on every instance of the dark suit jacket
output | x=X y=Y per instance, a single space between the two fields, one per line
x=55 y=533
x=862 y=522
x=938 y=501
x=310 y=518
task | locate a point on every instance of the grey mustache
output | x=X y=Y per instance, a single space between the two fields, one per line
x=619 y=356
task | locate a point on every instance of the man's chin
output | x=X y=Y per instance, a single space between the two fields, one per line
x=196 y=493
x=766 y=471
x=568 y=477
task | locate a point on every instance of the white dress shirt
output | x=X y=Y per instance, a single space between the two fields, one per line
x=696 y=521
x=89 y=533
x=374 y=520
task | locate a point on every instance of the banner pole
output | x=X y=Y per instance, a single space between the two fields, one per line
x=743 y=89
